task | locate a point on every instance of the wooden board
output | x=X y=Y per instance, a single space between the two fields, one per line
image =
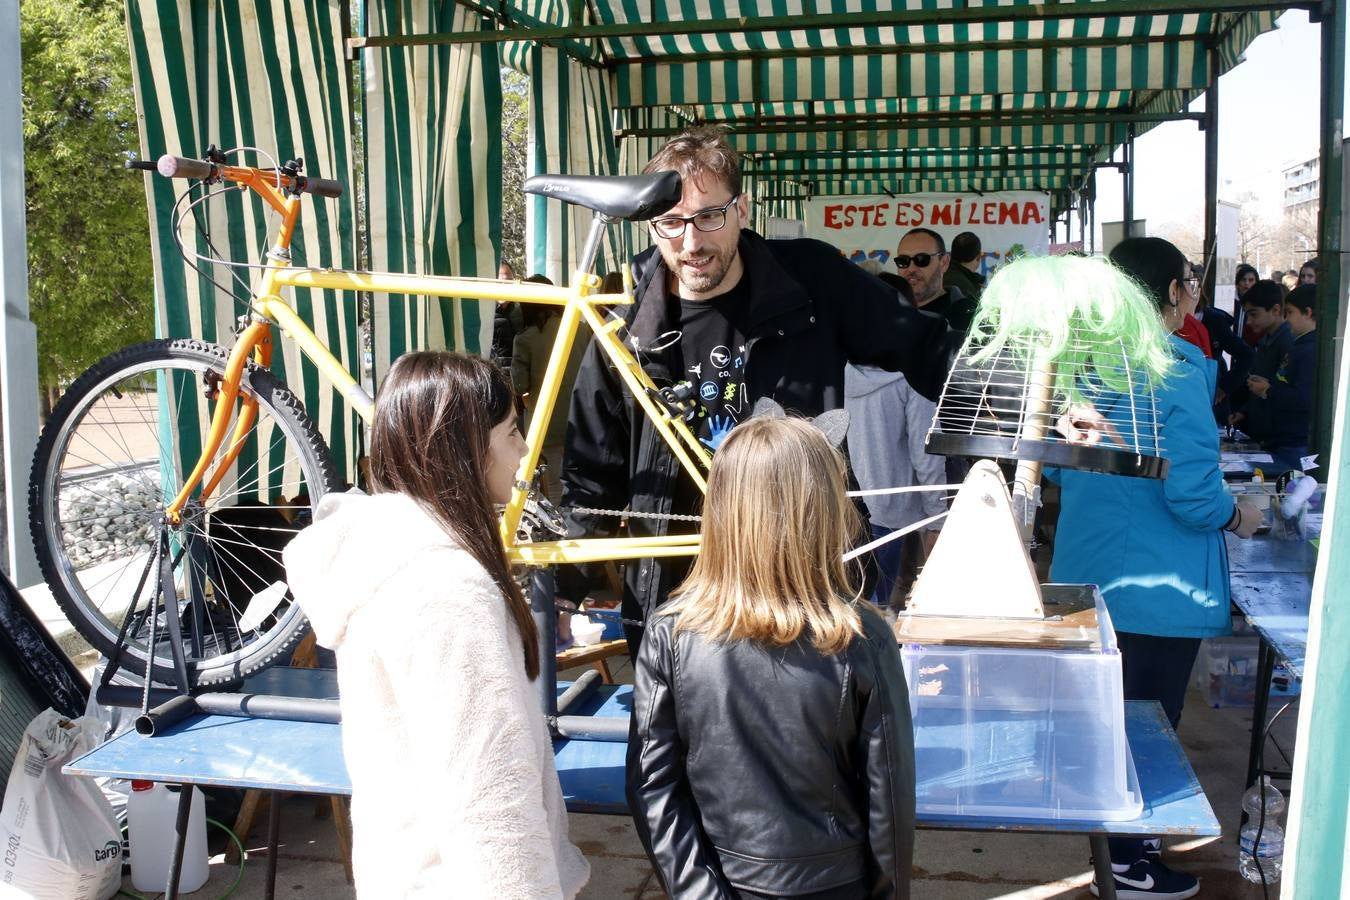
x=584 y=654
x=1070 y=623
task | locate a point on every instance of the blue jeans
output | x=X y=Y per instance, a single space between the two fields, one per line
x=888 y=558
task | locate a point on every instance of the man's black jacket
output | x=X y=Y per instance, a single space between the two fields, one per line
x=811 y=312
x=777 y=770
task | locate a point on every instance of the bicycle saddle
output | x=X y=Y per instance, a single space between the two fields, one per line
x=632 y=197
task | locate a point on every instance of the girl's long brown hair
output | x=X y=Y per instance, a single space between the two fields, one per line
x=430 y=441
x=776 y=523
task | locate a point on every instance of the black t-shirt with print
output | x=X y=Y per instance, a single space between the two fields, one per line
x=712 y=346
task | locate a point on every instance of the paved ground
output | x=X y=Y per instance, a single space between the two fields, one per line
x=948 y=865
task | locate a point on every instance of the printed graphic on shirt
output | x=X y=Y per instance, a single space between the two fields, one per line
x=721 y=391
x=713 y=344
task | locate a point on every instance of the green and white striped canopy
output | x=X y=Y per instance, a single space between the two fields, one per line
x=822 y=98
x=865 y=96
x=241 y=75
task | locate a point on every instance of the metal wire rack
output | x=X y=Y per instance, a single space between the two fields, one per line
x=1018 y=401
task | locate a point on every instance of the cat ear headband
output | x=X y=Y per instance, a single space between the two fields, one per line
x=831 y=423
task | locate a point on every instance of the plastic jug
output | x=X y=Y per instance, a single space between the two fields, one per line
x=152 y=811
x=1261 y=841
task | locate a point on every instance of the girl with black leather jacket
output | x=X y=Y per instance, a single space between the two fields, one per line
x=772 y=753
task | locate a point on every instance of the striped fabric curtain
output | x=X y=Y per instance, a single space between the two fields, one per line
x=250 y=74
x=433 y=175
x=571 y=132
x=775 y=198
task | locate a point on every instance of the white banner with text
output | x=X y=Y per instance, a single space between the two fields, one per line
x=870 y=227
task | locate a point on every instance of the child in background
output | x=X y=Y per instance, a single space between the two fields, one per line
x=1263 y=305
x=454 y=793
x=1289 y=392
x=772 y=752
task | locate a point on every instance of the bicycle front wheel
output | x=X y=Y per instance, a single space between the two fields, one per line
x=115 y=452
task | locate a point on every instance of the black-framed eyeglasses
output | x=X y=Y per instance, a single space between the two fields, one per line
x=670 y=227
x=920 y=260
x=1192 y=286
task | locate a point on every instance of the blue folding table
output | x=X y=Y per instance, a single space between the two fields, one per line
x=1270 y=581
x=306 y=757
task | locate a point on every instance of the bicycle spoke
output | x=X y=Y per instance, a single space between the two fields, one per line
x=126 y=446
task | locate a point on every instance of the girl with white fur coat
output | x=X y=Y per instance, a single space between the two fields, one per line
x=454 y=791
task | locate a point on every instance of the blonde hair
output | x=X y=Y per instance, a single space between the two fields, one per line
x=776 y=523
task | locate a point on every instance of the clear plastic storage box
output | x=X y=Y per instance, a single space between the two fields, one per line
x=1035 y=732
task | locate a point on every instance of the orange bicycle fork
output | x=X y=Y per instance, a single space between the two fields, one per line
x=255 y=341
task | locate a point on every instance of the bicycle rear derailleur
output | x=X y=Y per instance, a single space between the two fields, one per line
x=540 y=520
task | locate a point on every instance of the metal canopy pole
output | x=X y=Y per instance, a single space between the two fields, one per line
x=526 y=28
x=1330 y=209
x=18 y=349
x=1092 y=214
x=1082 y=217
x=1127 y=182
x=1210 y=124
x=1318 y=845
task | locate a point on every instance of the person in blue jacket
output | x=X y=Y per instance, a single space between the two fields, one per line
x=1155 y=547
x=1289 y=393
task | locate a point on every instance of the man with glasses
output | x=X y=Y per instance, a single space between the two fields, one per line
x=922 y=260
x=739 y=318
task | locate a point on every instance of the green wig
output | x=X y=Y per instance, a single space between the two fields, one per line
x=1092 y=320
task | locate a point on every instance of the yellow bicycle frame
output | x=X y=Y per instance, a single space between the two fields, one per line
x=579 y=305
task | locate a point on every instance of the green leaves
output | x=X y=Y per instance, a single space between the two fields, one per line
x=515 y=151
x=89 y=278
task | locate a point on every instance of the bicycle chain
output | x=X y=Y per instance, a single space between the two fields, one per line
x=631 y=514
x=560 y=606
x=602 y=612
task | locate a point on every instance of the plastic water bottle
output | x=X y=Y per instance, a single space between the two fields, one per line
x=1269 y=852
x=1261 y=500
x=152 y=812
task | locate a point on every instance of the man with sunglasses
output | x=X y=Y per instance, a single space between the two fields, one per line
x=922 y=260
x=739 y=318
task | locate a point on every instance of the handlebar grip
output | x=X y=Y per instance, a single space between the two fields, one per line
x=142 y=164
x=323 y=187
x=177 y=167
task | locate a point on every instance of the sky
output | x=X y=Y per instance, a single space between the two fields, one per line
x=1268 y=119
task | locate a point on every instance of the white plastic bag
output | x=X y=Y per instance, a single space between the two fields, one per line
x=58 y=833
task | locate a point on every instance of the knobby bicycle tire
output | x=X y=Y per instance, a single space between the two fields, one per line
x=111 y=456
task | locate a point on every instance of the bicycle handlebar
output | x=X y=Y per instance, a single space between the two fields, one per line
x=177 y=167
x=321 y=187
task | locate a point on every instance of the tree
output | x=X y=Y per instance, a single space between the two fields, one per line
x=1296 y=237
x=1186 y=237
x=1253 y=232
x=89 y=265
x=515 y=153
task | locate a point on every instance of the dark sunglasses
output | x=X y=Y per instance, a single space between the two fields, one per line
x=921 y=260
